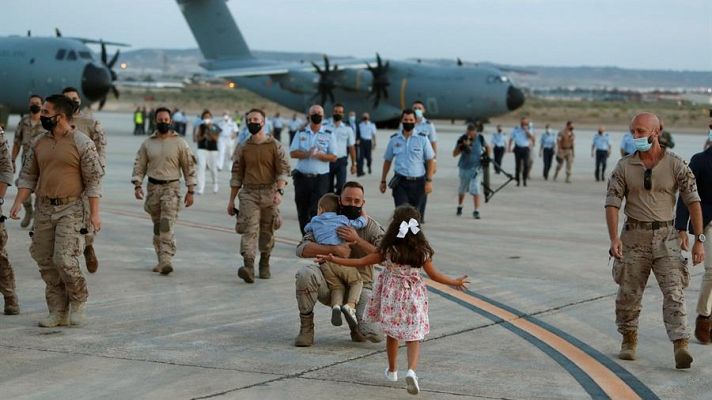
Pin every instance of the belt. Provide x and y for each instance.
(634, 223)
(566, 148)
(298, 172)
(411, 178)
(59, 201)
(161, 182)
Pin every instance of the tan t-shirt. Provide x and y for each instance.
(164, 159)
(259, 164)
(566, 140)
(668, 177)
(61, 167)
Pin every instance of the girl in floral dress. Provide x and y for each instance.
(400, 299)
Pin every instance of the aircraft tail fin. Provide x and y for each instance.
(214, 29)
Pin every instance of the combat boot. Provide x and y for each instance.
(683, 359)
(27, 218)
(306, 331)
(703, 325)
(630, 342)
(264, 266)
(54, 320)
(11, 306)
(77, 313)
(568, 178)
(247, 272)
(90, 258)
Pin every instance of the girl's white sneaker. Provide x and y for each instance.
(391, 376)
(411, 382)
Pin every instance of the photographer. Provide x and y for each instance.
(470, 147)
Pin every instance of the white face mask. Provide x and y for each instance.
(225, 117)
(207, 121)
(419, 113)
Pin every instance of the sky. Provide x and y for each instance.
(652, 34)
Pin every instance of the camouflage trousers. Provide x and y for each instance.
(566, 156)
(311, 287)
(56, 246)
(7, 276)
(163, 203)
(257, 221)
(657, 250)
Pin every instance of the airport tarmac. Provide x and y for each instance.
(537, 322)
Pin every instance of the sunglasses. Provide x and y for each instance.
(648, 179)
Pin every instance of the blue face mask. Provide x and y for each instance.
(419, 113)
(641, 144)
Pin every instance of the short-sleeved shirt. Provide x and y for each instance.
(471, 159)
(429, 128)
(372, 233)
(345, 138)
(668, 177)
(324, 226)
(628, 143)
(306, 140)
(548, 140)
(367, 129)
(519, 136)
(295, 124)
(410, 153)
(602, 141)
(210, 134)
(498, 139)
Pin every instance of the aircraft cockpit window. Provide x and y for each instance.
(72, 55)
(497, 79)
(60, 54)
(85, 55)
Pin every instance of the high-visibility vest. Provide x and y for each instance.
(138, 117)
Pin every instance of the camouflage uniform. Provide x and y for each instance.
(650, 240)
(256, 169)
(24, 135)
(94, 130)
(312, 287)
(59, 215)
(565, 154)
(7, 277)
(163, 160)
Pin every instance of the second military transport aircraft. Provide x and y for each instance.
(382, 88)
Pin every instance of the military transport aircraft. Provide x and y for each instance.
(46, 65)
(383, 88)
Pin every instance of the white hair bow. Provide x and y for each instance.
(411, 225)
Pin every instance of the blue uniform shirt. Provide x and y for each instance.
(519, 137)
(410, 153)
(367, 129)
(498, 139)
(324, 226)
(628, 143)
(345, 138)
(602, 142)
(548, 140)
(428, 128)
(307, 141)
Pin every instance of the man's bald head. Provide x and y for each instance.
(645, 124)
(316, 109)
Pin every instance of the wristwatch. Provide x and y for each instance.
(701, 238)
(280, 191)
(2, 201)
(428, 179)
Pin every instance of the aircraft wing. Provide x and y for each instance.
(279, 69)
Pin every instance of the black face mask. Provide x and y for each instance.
(254, 128)
(408, 126)
(48, 123)
(77, 105)
(34, 109)
(351, 212)
(163, 127)
(337, 117)
(315, 118)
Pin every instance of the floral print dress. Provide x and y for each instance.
(400, 303)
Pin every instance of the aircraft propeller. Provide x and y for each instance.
(110, 66)
(380, 83)
(327, 81)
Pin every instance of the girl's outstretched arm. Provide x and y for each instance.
(373, 258)
(460, 283)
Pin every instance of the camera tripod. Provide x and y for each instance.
(485, 166)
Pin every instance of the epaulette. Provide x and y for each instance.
(327, 130)
(427, 121)
(394, 135)
(423, 134)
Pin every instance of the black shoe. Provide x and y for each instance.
(476, 214)
(525, 183)
(459, 211)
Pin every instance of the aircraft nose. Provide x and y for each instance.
(96, 82)
(515, 98)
